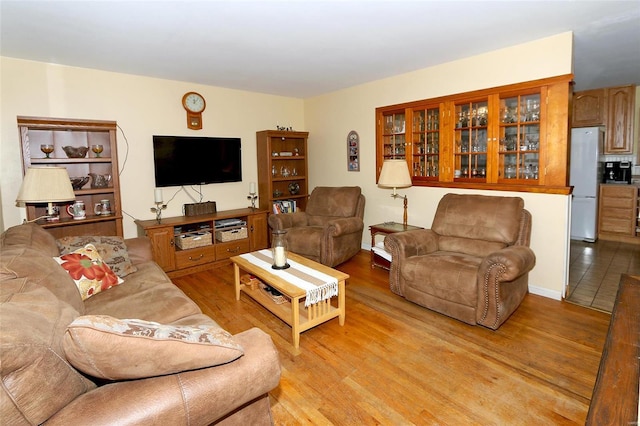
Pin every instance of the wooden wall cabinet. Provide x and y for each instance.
(60, 132)
(508, 138)
(282, 169)
(178, 258)
(589, 108)
(620, 115)
(618, 212)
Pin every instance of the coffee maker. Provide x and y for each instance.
(617, 172)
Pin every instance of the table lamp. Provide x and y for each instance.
(395, 174)
(46, 185)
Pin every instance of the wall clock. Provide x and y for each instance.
(194, 104)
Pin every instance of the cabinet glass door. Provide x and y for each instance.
(426, 144)
(519, 138)
(470, 136)
(394, 138)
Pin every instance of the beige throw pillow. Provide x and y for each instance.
(116, 349)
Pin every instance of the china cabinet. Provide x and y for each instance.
(87, 149)
(507, 138)
(589, 108)
(185, 244)
(282, 170)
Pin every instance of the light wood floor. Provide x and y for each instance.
(396, 363)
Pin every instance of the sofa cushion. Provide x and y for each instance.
(495, 219)
(111, 348)
(32, 236)
(37, 380)
(112, 249)
(451, 276)
(42, 269)
(147, 294)
(332, 201)
(88, 271)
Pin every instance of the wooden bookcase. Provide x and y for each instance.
(60, 132)
(282, 168)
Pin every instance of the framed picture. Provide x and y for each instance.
(353, 151)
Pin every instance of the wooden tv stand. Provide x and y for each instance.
(183, 245)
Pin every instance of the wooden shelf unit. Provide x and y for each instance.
(59, 132)
(176, 261)
(276, 172)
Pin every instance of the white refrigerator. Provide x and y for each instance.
(585, 174)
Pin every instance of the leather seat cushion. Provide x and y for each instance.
(444, 275)
(306, 241)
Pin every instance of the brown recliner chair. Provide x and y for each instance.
(472, 264)
(330, 230)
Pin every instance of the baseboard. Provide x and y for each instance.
(545, 292)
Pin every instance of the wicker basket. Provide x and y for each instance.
(231, 234)
(193, 240)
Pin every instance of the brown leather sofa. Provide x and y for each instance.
(474, 262)
(330, 230)
(39, 303)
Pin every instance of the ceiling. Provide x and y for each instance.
(301, 49)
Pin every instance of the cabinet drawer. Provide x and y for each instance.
(625, 214)
(619, 226)
(196, 256)
(232, 248)
(617, 203)
(614, 191)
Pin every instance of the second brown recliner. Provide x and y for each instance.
(330, 230)
(472, 265)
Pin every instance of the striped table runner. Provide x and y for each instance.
(319, 286)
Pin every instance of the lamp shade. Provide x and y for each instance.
(394, 174)
(45, 185)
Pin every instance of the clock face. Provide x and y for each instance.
(193, 102)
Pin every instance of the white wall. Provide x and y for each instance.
(145, 106)
(330, 117)
(142, 107)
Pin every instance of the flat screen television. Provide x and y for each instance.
(189, 160)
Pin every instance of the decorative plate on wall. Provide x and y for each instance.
(353, 151)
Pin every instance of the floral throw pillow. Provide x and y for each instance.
(116, 349)
(89, 272)
(112, 249)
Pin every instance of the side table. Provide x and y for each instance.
(385, 228)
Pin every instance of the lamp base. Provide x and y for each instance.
(286, 265)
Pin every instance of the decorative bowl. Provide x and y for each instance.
(78, 182)
(75, 151)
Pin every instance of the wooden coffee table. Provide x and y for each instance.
(295, 314)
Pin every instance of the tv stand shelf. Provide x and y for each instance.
(206, 248)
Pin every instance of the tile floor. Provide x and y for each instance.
(595, 269)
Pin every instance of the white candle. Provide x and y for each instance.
(252, 188)
(158, 195)
(279, 256)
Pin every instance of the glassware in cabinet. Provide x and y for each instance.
(471, 140)
(394, 138)
(519, 142)
(426, 143)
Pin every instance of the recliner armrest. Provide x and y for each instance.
(287, 220)
(411, 243)
(515, 260)
(343, 226)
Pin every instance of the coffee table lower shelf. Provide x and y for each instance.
(293, 313)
